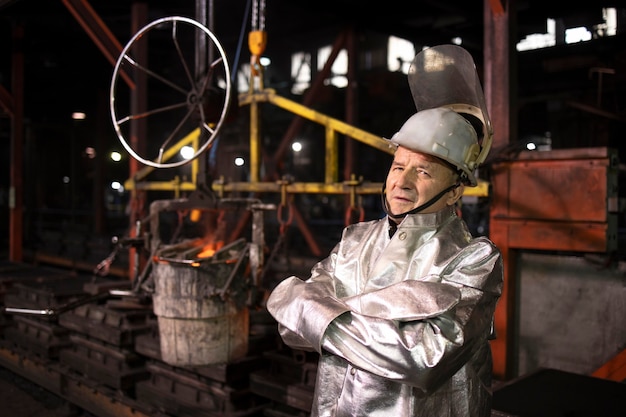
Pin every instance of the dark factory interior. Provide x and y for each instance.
(102, 213)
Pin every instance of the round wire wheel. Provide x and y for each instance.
(187, 97)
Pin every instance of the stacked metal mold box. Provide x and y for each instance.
(102, 353)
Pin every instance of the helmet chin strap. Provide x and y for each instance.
(416, 209)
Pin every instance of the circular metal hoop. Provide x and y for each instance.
(181, 105)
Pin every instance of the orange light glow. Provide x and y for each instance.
(206, 253)
(209, 249)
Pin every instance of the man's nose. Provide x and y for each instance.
(406, 178)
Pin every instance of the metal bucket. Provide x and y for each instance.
(201, 307)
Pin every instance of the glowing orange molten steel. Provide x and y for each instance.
(209, 249)
(206, 253)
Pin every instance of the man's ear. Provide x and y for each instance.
(455, 194)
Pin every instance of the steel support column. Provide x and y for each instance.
(499, 81)
(138, 132)
(16, 190)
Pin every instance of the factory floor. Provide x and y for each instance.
(545, 392)
(20, 397)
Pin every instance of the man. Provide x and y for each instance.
(401, 311)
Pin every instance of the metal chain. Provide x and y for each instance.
(255, 15)
(258, 15)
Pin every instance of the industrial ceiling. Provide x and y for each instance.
(64, 70)
(59, 53)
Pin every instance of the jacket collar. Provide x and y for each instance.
(429, 219)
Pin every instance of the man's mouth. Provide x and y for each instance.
(402, 199)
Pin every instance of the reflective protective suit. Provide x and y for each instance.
(402, 324)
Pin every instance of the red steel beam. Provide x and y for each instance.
(498, 81)
(16, 205)
(98, 32)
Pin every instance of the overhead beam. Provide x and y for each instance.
(98, 32)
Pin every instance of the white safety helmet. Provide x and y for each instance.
(443, 133)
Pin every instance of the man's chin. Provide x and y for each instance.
(400, 209)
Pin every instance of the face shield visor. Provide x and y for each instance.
(445, 76)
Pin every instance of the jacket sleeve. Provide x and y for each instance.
(415, 332)
(304, 309)
(411, 345)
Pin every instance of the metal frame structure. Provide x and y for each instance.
(331, 185)
(110, 47)
(499, 82)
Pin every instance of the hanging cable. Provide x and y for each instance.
(233, 75)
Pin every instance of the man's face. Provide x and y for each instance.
(414, 178)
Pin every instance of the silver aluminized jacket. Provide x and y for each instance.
(402, 325)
